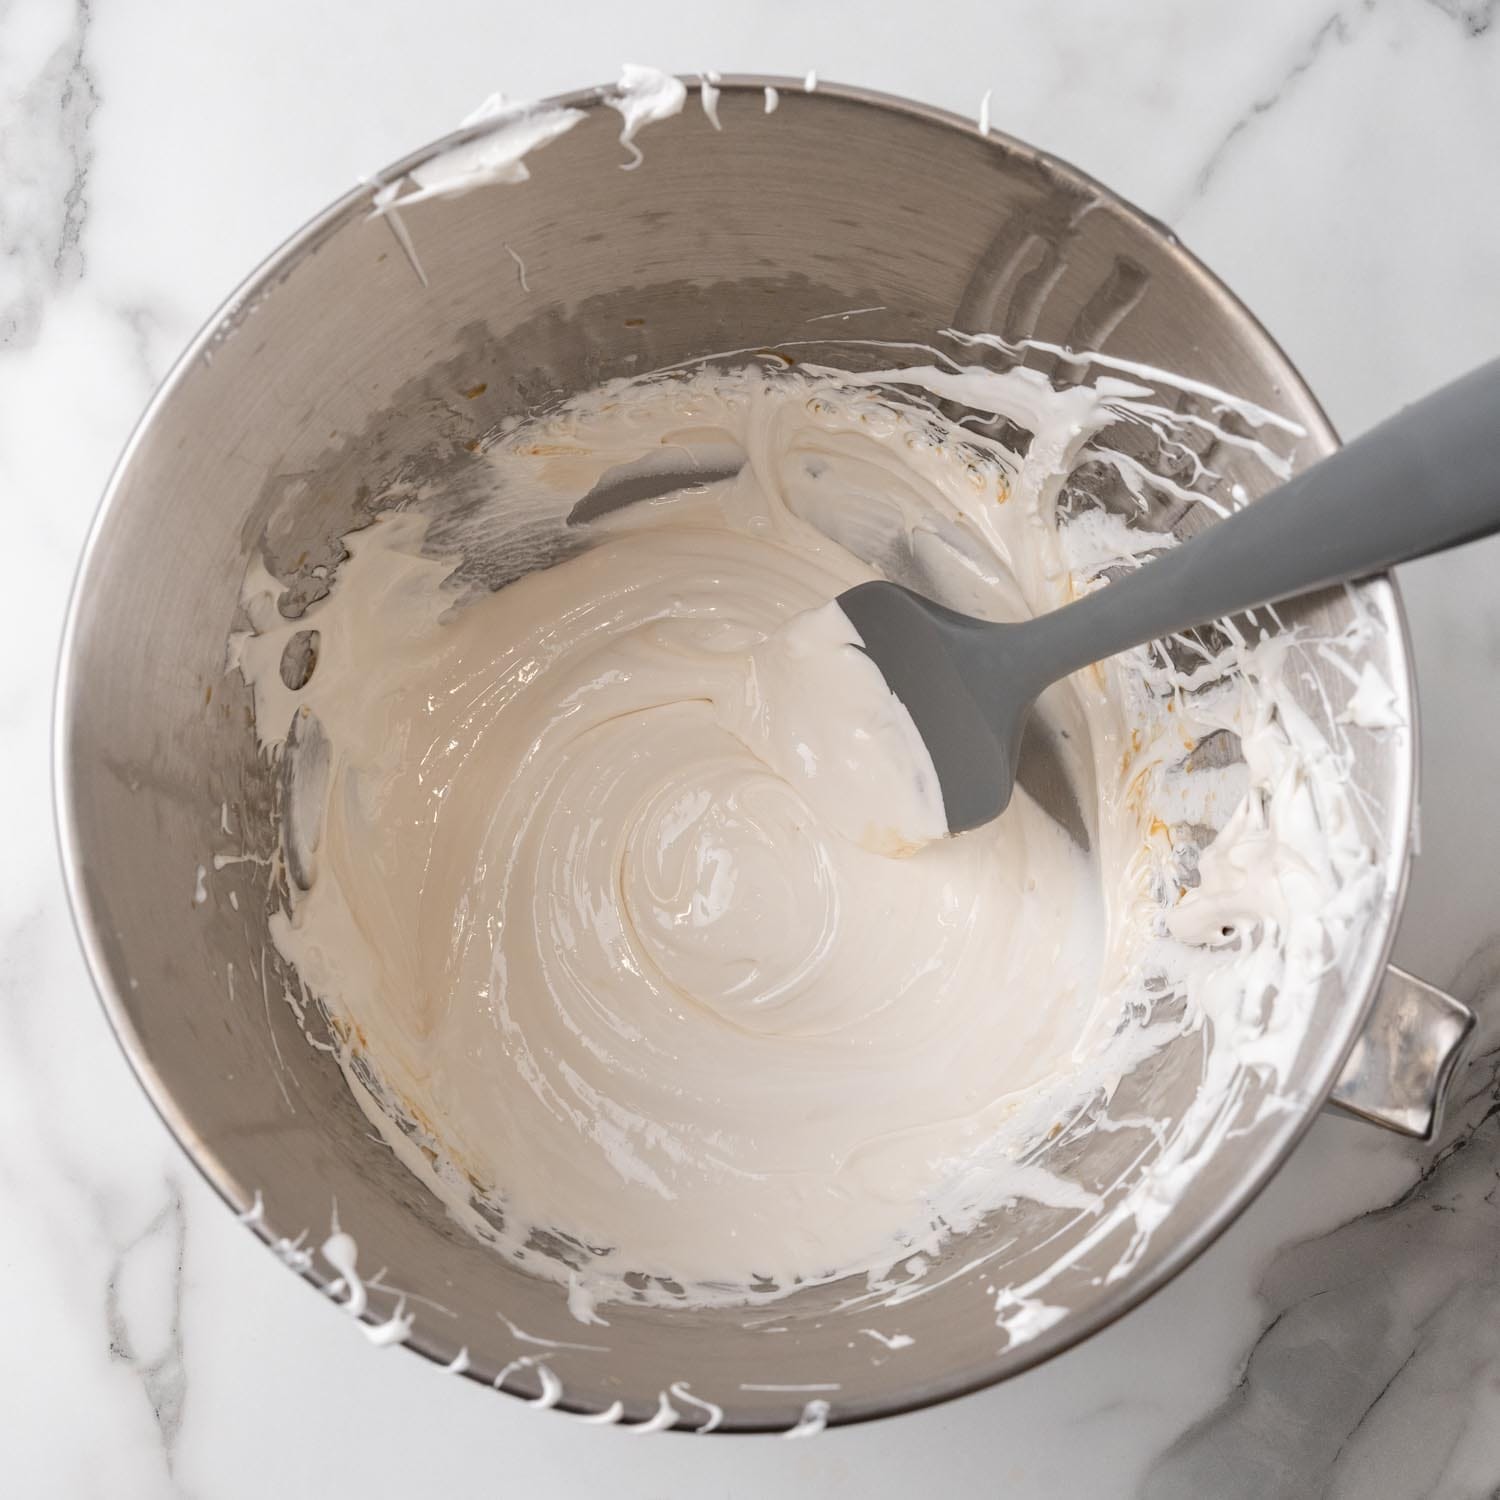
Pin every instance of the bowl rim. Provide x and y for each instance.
(1380, 590)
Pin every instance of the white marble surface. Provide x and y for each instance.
(1336, 165)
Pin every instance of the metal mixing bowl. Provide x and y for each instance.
(333, 383)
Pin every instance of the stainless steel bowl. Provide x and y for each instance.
(335, 380)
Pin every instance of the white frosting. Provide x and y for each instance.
(341, 1252)
(642, 97)
(816, 710)
(713, 1412)
(551, 1391)
(606, 1418)
(1373, 704)
(889, 1340)
(663, 1418)
(604, 880)
(814, 1420)
(498, 155)
(708, 95)
(396, 1329)
(520, 269)
(512, 130)
(515, 129)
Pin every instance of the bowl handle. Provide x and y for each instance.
(1402, 1063)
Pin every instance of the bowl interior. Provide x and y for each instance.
(336, 383)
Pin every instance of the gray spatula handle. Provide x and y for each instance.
(1426, 479)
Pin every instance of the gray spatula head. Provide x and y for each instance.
(936, 661)
(1421, 481)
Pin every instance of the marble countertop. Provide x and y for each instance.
(1334, 164)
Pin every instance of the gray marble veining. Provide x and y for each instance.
(46, 151)
(1377, 1366)
(1333, 32)
(143, 1315)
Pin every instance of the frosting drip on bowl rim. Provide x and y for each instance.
(622, 883)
